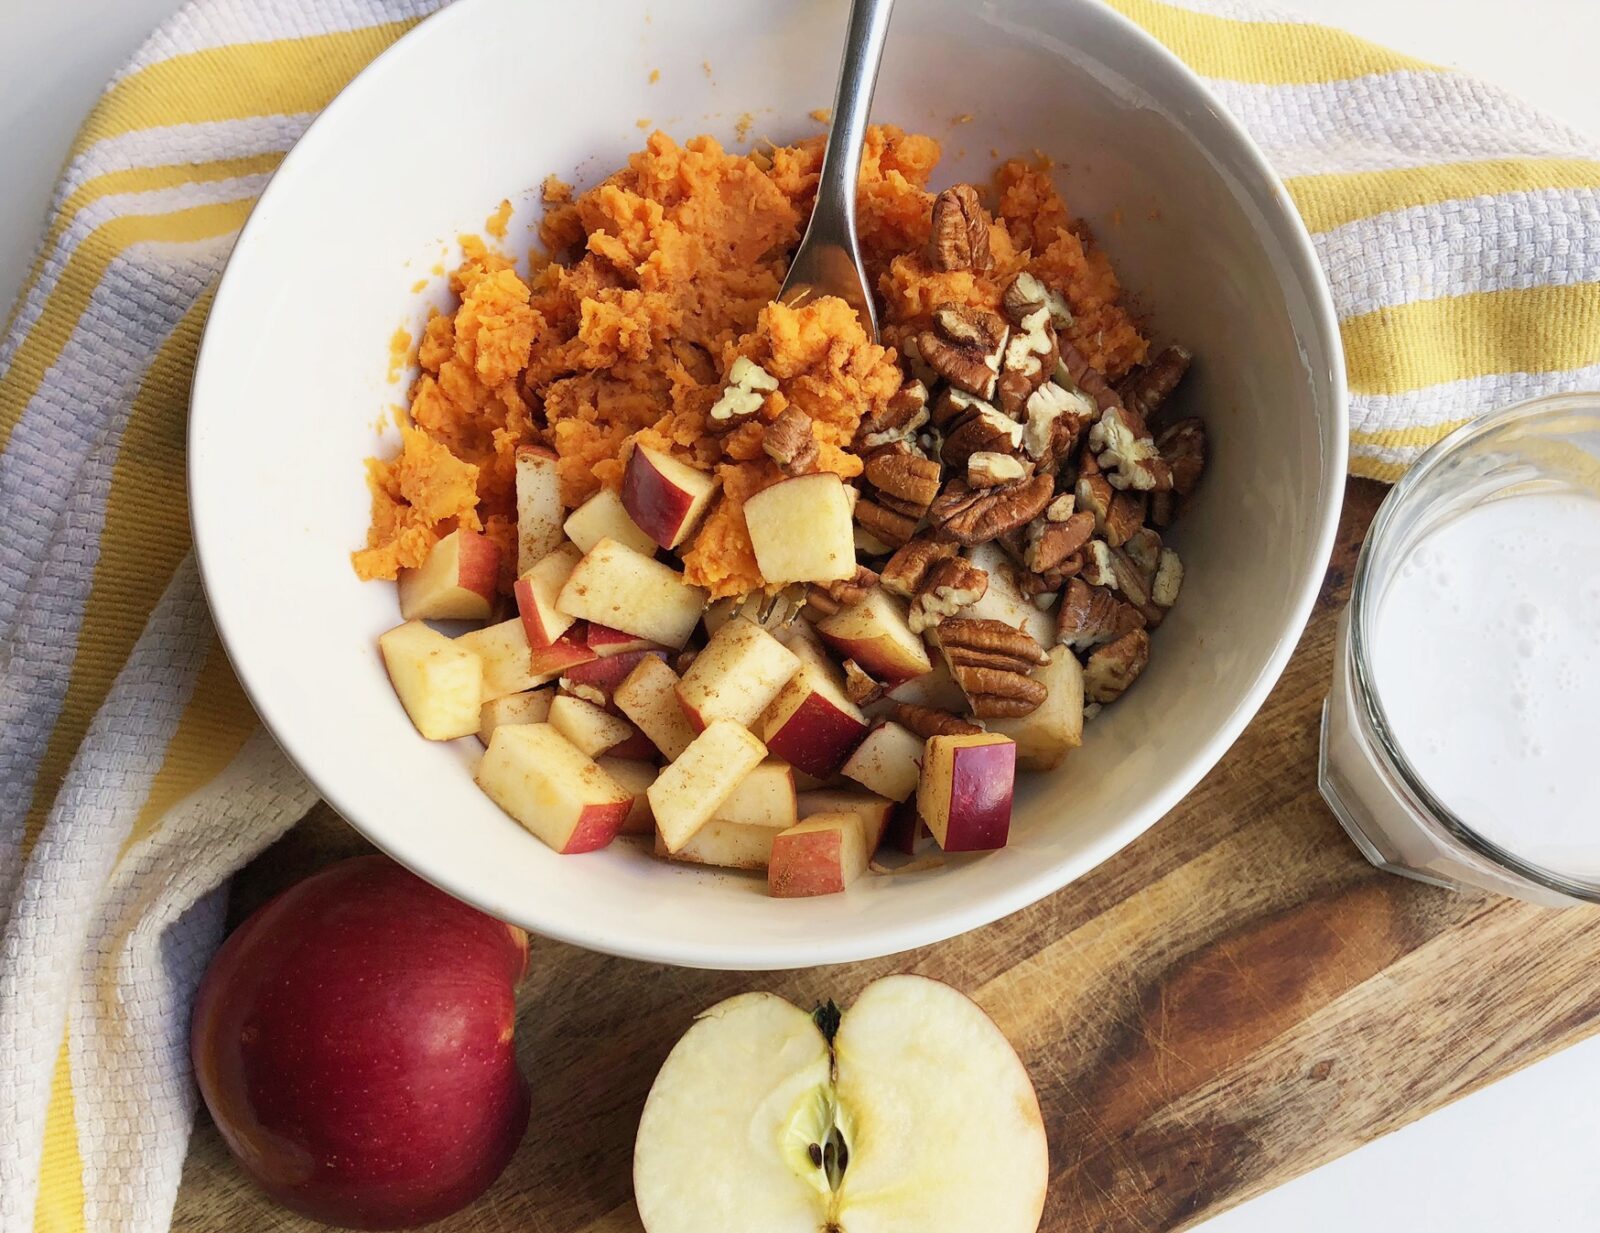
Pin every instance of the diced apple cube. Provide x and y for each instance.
(598, 679)
(636, 777)
(508, 666)
(876, 634)
(537, 776)
(801, 530)
(601, 517)
(737, 675)
(820, 856)
(964, 794)
(649, 697)
(606, 642)
(538, 505)
(536, 591)
(437, 679)
(622, 588)
(728, 845)
(590, 728)
(688, 793)
(1003, 600)
(528, 708)
(457, 581)
(765, 797)
(937, 689)
(811, 724)
(888, 761)
(665, 498)
(875, 811)
(1048, 733)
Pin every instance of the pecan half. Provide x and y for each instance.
(884, 524)
(1053, 419)
(898, 420)
(1183, 446)
(1128, 456)
(1049, 544)
(976, 516)
(949, 586)
(1135, 586)
(789, 441)
(1074, 371)
(1029, 361)
(858, 686)
(1124, 516)
(904, 572)
(960, 236)
(980, 643)
(982, 430)
(964, 346)
(1145, 389)
(928, 721)
(1087, 616)
(1143, 548)
(1026, 294)
(1115, 666)
(906, 483)
(989, 469)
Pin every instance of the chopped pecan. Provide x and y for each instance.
(1053, 418)
(1128, 457)
(1097, 564)
(884, 524)
(1135, 586)
(1115, 666)
(1145, 389)
(1183, 446)
(903, 573)
(964, 346)
(1094, 494)
(1074, 371)
(1042, 588)
(980, 643)
(990, 469)
(960, 235)
(976, 516)
(684, 660)
(898, 420)
(1143, 548)
(745, 393)
(1029, 361)
(1087, 616)
(845, 591)
(1049, 543)
(928, 721)
(789, 441)
(982, 430)
(948, 586)
(906, 483)
(1169, 577)
(1124, 516)
(858, 686)
(1026, 294)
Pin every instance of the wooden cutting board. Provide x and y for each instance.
(1232, 1000)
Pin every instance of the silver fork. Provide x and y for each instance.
(828, 261)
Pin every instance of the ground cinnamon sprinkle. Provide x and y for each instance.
(664, 275)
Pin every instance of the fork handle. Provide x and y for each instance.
(852, 103)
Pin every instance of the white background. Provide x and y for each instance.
(1517, 1157)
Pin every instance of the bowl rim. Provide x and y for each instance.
(1262, 188)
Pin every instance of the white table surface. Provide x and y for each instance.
(1518, 1156)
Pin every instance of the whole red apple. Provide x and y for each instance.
(353, 1041)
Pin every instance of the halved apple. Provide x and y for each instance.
(665, 498)
(538, 777)
(916, 1107)
(591, 729)
(603, 516)
(801, 530)
(605, 641)
(1048, 733)
(888, 762)
(964, 794)
(538, 505)
(812, 724)
(649, 697)
(874, 810)
(688, 793)
(627, 590)
(740, 671)
(1003, 599)
(457, 581)
(819, 856)
(437, 679)
(636, 777)
(876, 635)
(536, 591)
(529, 708)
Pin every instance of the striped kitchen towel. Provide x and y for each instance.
(1459, 229)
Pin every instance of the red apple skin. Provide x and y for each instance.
(566, 652)
(637, 748)
(906, 828)
(597, 825)
(816, 738)
(353, 1042)
(656, 504)
(980, 798)
(606, 672)
(605, 641)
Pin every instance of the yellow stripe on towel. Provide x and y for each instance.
(59, 1206)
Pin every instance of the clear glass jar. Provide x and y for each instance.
(1543, 446)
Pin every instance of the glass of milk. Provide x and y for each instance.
(1461, 739)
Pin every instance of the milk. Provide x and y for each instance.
(1485, 657)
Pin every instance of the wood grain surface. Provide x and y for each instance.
(1235, 998)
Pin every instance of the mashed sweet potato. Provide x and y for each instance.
(657, 280)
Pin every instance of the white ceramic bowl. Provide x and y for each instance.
(485, 99)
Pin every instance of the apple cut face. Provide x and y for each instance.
(919, 1104)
